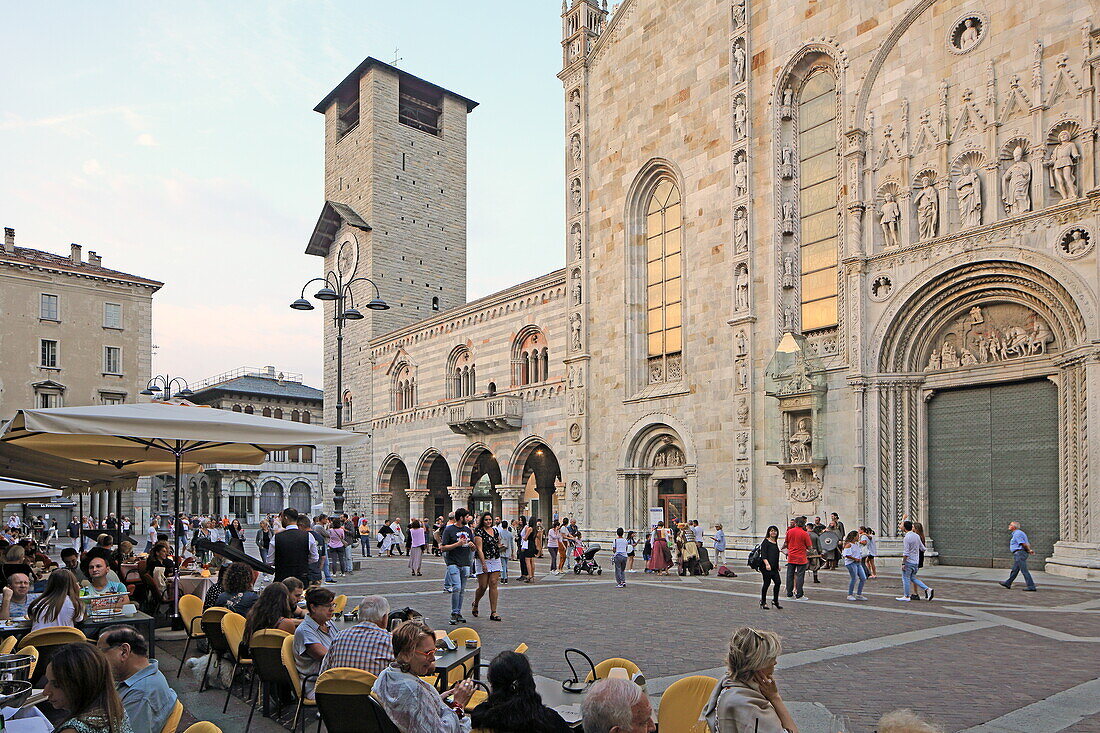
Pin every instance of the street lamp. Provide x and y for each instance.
(163, 386)
(337, 290)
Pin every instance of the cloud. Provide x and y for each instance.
(68, 121)
(146, 139)
(91, 167)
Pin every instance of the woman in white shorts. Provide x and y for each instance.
(486, 563)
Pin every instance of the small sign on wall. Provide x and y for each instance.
(656, 514)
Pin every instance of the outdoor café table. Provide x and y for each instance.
(195, 584)
(567, 704)
(92, 626)
(446, 660)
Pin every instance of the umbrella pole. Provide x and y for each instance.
(80, 530)
(177, 533)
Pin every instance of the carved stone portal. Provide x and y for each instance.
(988, 334)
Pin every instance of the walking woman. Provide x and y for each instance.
(853, 556)
(486, 563)
(527, 551)
(264, 538)
(870, 549)
(660, 559)
(521, 546)
(416, 546)
(235, 536)
(553, 541)
(631, 547)
(769, 555)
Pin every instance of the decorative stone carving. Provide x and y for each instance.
(788, 319)
(576, 341)
(740, 117)
(575, 287)
(968, 189)
(798, 379)
(786, 104)
(742, 446)
(741, 287)
(738, 55)
(800, 441)
(575, 401)
(576, 375)
(575, 108)
(788, 271)
(804, 486)
(575, 195)
(966, 34)
(670, 457)
(987, 334)
(927, 203)
(742, 481)
(741, 174)
(1075, 242)
(575, 235)
(742, 376)
(656, 371)
(786, 163)
(575, 151)
(742, 411)
(788, 216)
(881, 287)
(575, 432)
(1062, 166)
(738, 13)
(574, 489)
(741, 344)
(1016, 183)
(740, 231)
(890, 219)
(674, 367)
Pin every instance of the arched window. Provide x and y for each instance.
(236, 408)
(267, 412)
(305, 417)
(817, 211)
(248, 410)
(435, 303)
(347, 414)
(663, 256)
(530, 357)
(295, 416)
(462, 377)
(278, 414)
(404, 390)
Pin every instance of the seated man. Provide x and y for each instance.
(367, 645)
(144, 691)
(17, 597)
(617, 706)
(70, 560)
(98, 584)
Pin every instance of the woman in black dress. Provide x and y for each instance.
(235, 537)
(487, 563)
(514, 706)
(769, 555)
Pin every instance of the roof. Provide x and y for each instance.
(260, 386)
(353, 78)
(333, 215)
(39, 258)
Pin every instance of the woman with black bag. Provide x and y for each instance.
(768, 565)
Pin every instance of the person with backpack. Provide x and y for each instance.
(767, 563)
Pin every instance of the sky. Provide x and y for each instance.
(178, 140)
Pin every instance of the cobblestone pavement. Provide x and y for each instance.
(978, 655)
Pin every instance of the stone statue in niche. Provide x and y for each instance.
(786, 163)
(740, 232)
(575, 195)
(788, 271)
(1016, 183)
(881, 287)
(891, 219)
(741, 174)
(1076, 242)
(786, 104)
(738, 63)
(575, 108)
(576, 241)
(927, 202)
(742, 411)
(969, 35)
(575, 287)
(788, 319)
(741, 344)
(742, 377)
(800, 442)
(968, 188)
(1063, 166)
(740, 118)
(788, 217)
(575, 151)
(575, 340)
(741, 287)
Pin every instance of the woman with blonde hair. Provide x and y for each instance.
(747, 700)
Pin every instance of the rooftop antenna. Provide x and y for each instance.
(396, 58)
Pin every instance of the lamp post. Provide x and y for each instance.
(166, 388)
(337, 288)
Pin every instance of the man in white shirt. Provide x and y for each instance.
(619, 550)
(506, 540)
(912, 547)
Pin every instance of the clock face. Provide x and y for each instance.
(347, 256)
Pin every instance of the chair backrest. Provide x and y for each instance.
(682, 703)
(158, 578)
(604, 668)
(212, 627)
(287, 656)
(203, 726)
(521, 649)
(52, 636)
(344, 701)
(173, 723)
(233, 628)
(33, 652)
(8, 644)
(266, 650)
(463, 634)
(190, 609)
(340, 603)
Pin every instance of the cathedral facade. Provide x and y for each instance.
(819, 257)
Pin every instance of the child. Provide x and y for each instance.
(647, 550)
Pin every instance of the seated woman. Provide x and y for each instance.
(238, 596)
(15, 561)
(124, 553)
(98, 584)
(79, 681)
(313, 637)
(297, 592)
(747, 698)
(59, 604)
(159, 557)
(514, 706)
(34, 554)
(270, 611)
(412, 704)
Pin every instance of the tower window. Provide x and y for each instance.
(347, 113)
(435, 303)
(420, 106)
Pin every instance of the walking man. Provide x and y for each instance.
(506, 540)
(912, 547)
(1020, 549)
(797, 544)
(458, 553)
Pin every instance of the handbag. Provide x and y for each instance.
(756, 560)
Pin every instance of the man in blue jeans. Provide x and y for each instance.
(1020, 549)
(458, 552)
(912, 547)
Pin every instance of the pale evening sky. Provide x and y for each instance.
(178, 140)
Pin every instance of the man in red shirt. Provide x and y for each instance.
(797, 544)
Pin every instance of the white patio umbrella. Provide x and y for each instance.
(153, 438)
(13, 492)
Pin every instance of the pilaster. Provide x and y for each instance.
(510, 497)
(417, 497)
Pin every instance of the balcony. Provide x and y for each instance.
(496, 414)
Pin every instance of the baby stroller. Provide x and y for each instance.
(584, 559)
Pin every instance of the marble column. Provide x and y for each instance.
(417, 497)
(460, 497)
(510, 497)
(380, 502)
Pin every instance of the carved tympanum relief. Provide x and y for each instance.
(988, 334)
(669, 457)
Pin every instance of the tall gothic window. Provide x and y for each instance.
(462, 374)
(530, 358)
(664, 330)
(404, 389)
(817, 209)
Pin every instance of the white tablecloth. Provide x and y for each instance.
(26, 720)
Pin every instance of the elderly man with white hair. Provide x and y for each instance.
(617, 706)
(367, 645)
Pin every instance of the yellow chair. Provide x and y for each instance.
(46, 641)
(190, 608)
(203, 726)
(173, 722)
(266, 650)
(340, 603)
(211, 624)
(8, 644)
(604, 668)
(343, 699)
(233, 628)
(295, 682)
(682, 703)
(460, 636)
(521, 649)
(33, 652)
